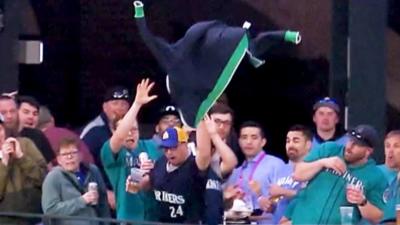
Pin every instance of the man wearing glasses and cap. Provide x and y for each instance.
(99, 130)
(326, 119)
(339, 176)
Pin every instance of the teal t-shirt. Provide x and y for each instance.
(320, 201)
(128, 206)
(391, 195)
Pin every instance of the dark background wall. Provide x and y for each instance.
(91, 45)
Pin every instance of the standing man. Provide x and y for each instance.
(66, 191)
(28, 117)
(392, 167)
(95, 133)
(119, 154)
(178, 179)
(259, 169)
(223, 161)
(298, 144)
(28, 108)
(326, 119)
(340, 176)
(22, 171)
(167, 117)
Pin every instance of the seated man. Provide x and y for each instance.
(66, 191)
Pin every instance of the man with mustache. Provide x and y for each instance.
(298, 144)
(339, 176)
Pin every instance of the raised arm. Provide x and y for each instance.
(203, 154)
(228, 158)
(142, 97)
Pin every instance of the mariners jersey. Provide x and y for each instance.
(214, 205)
(179, 193)
(320, 201)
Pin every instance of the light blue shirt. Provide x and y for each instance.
(285, 180)
(265, 173)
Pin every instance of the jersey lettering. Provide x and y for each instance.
(287, 181)
(213, 184)
(175, 212)
(164, 196)
(349, 178)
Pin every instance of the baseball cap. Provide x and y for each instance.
(327, 102)
(173, 136)
(116, 93)
(168, 110)
(364, 135)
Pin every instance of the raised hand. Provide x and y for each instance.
(142, 92)
(210, 125)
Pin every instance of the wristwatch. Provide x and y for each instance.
(364, 202)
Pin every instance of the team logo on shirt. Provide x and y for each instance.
(385, 196)
(164, 196)
(165, 136)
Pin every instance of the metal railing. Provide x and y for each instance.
(54, 219)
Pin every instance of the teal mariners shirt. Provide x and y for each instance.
(392, 197)
(320, 201)
(117, 166)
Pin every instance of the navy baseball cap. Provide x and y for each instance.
(364, 135)
(168, 110)
(173, 136)
(327, 102)
(116, 93)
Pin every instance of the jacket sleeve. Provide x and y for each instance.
(3, 180)
(51, 198)
(32, 163)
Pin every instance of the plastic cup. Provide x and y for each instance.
(346, 215)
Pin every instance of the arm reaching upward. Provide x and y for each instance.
(142, 97)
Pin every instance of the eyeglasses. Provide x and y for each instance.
(362, 141)
(69, 154)
(124, 93)
(220, 122)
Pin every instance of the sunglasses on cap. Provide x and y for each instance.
(360, 139)
(124, 93)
